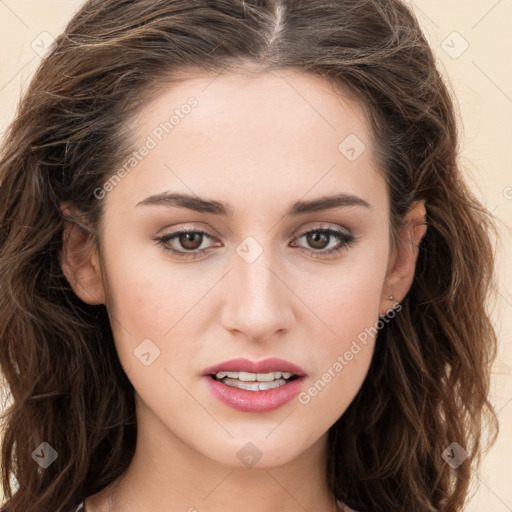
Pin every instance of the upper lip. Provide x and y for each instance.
(272, 364)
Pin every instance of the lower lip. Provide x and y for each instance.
(255, 401)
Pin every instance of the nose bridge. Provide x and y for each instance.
(258, 303)
(253, 269)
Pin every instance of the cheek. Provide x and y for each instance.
(342, 348)
(346, 299)
(340, 356)
(141, 305)
(150, 298)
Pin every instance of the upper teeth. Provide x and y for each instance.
(261, 377)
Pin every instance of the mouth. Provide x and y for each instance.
(251, 386)
(254, 381)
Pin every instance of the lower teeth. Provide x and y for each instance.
(253, 386)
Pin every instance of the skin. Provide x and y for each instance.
(259, 144)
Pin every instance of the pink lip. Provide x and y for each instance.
(272, 364)
(255, 401)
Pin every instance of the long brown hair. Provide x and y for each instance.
(428, 383)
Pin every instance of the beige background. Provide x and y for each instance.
(473, 43)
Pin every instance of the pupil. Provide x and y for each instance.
(316, 242)
(189, 243)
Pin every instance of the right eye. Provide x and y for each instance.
(189, 239)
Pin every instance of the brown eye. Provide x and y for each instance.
(186, 243)
(191, 240)
(317, 239)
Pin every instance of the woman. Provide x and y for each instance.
(240, 265)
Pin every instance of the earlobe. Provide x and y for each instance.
(402, 265)
(80, 263)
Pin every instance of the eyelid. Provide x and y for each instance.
(344, 236)
(296, 234)
(319, 226)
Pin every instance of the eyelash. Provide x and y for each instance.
(346, 239)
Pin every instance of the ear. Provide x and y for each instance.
(402, 264)
(80, 260)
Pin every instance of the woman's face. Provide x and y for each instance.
(267, 153)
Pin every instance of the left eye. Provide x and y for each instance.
(191, 240)
(317, 237)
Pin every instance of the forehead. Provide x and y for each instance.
(278, 132)
(286, 103)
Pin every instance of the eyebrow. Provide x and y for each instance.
(202, 205)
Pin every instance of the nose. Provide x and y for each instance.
(259, 302)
